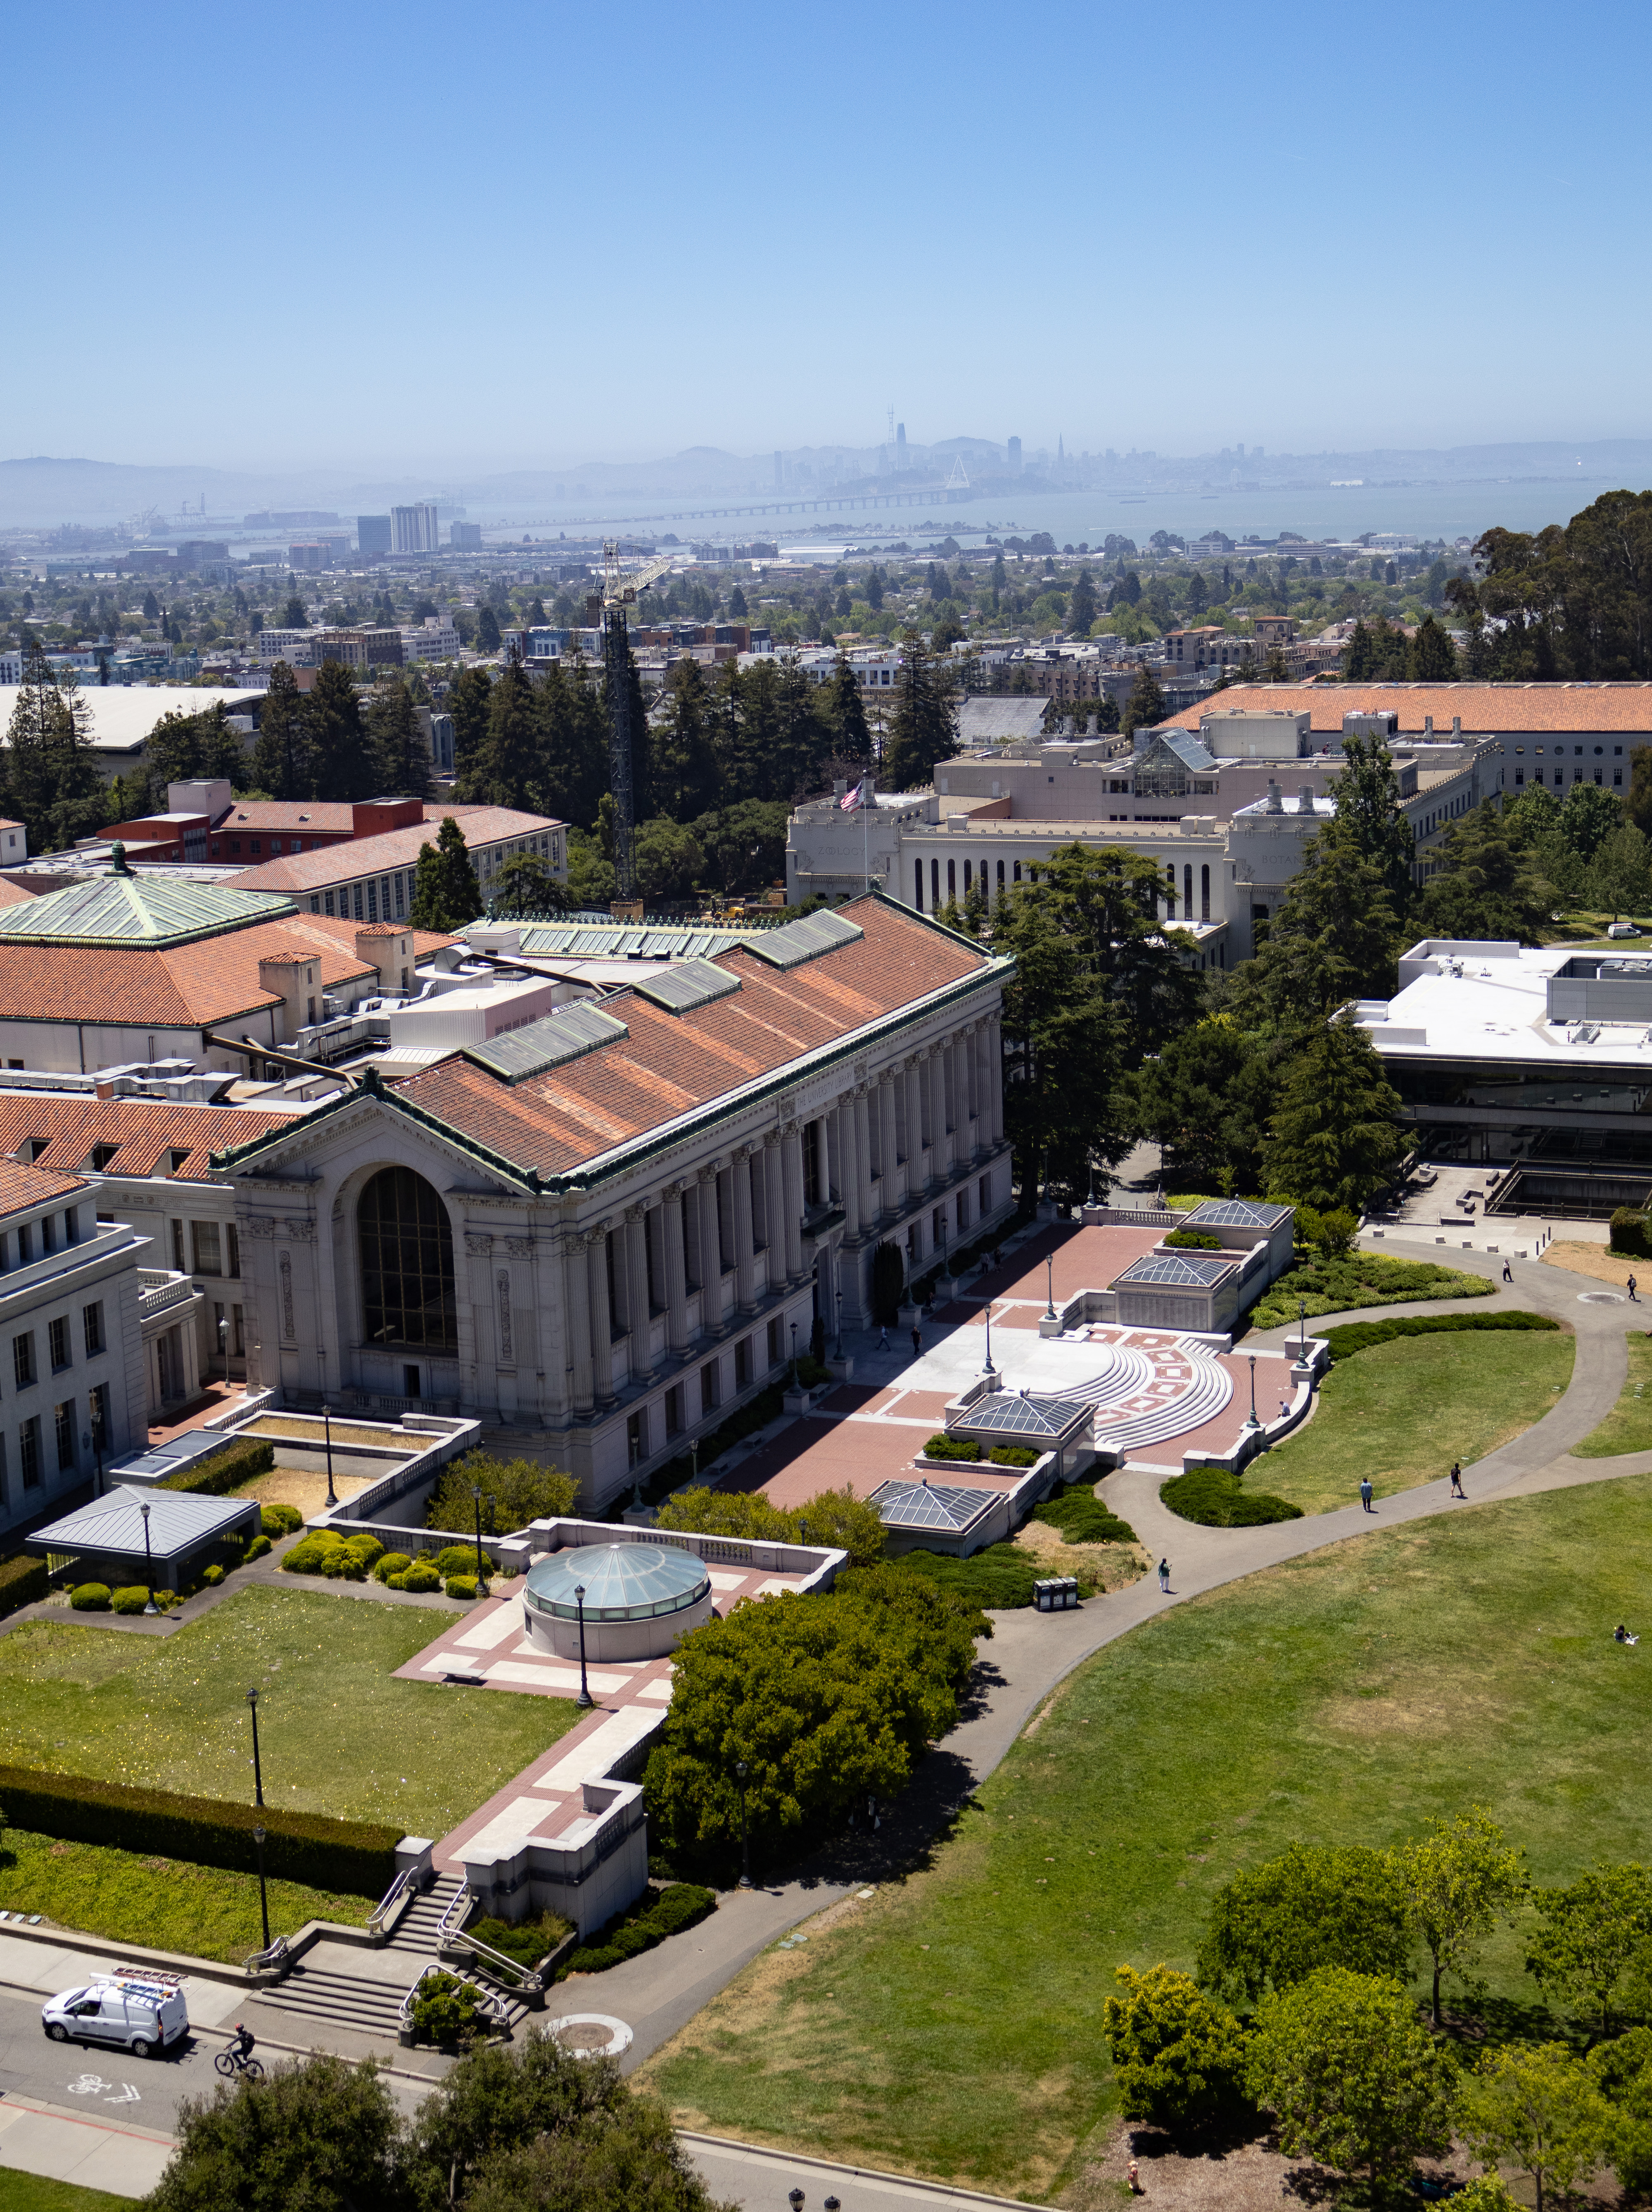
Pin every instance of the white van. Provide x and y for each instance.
(142, 2013)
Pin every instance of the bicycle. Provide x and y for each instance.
(232, 2063)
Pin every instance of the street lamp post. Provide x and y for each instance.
(745, 1844)
(1252, 1423)
(1302, 1328)
(584, 1698)
(258, 1770)
(839, 1325)
(794, 1355)
(989, 1370)
(148, 1559)
(264, 1894)
(481, 1570)
(1049, 1264)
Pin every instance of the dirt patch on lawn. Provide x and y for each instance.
(1109, 1566)
(297, 1485)
(1579, 1259)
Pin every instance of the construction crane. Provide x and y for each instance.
(621, 588)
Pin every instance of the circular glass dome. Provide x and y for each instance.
(620, 1582)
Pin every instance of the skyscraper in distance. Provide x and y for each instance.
(1015, 456)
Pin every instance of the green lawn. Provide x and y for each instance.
(27, 2192)
(953, 2025)
(1401, 1413)
(336, 1733)
(1360, 1279)
(1628, 1427)
(167, 1903)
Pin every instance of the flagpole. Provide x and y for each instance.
(866, 839)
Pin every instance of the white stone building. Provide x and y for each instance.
(604, 1230)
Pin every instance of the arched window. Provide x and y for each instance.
(407, 1263)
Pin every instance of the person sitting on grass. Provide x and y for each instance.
(1621, 1635)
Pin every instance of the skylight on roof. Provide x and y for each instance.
(804, 939)
(569, 1034)
(687, 984)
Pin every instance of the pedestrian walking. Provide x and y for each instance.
(917, 1344)
(1633, 1300)
(1164, 1576)
(882, 1337)
(1366, 1494)
(1457, 1490)
(1508, 1272)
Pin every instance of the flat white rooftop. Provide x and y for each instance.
(1462, 999)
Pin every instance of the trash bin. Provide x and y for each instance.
(1059, 1594)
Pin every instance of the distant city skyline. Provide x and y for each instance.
(1340, 234)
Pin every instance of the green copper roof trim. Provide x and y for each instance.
(121, 912)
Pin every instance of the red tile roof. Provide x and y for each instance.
(1485, 709)
(145, 1133)
(186, 987)
(671, 1064)
(21, 1186)
(395, 849)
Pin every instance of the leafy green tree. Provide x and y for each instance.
(293, 615)
(342, 763)
(53, 782)
(487, 628)
(401, 752)
(590, 872)
(1588, 1934)
(836, 1517)
(1588, 817)
(1638, 805)
(635, 2163)
(183, 747)
(1206, 1096)
(1351, 2078)
(1335, 1133)
(1178, 2057)
(1485, 2193)
(504, 769)
(827, 1700)
(669, 860)
(923, 725)
(446, 895)
(875, 589)
(1336, 937)
(514, 1492)
(325, 2134)
(743, 846)
(1145, 710)
(1536, 2107)
(527, 884)
(1366, 794)
(281, 754)
(1486, 886)
(1458, 1880)
(1622, 2071)
(1316, 1905)
(1620, 881)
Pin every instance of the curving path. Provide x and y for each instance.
(1031, 1652)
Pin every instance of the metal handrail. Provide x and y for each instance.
(398, 1889)
(453, 1919)
(525, 1975)
(277, 1951)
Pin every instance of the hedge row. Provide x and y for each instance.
(1360, 1335)
(1213, 1499)
(355, 1855)
(671, 1909)
(224, 1472)
(1083, 1518)
(22, 1581)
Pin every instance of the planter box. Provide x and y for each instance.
(841, 1371)
(909, 1317)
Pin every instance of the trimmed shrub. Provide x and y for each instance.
(358, 1856)
(1013, 1456)
(224, 1470)
(1629, 1233)
(658, 1914)
(522, 1490)
(90, 1597)
(366, 1548)
(455, 1560)
(1213, 1499)
(527, 1942)
(212, 1575)
(941, 1446)
(1083, 1519)
(393, 1563)
(23, 1580)
(810, 1373)
(1360, 1335)
(459, 1586)
(134, 1598)
(256, 1548)
(830, 1516)
(1192, 1239)
(999, 1580)
(281, 1520)
(448, 2010)
(420, 1577)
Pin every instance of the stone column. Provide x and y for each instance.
(848, 1174)
(791, 1200)
(601, 1346)
(745, 1249)
(676, 1270)
(941, 1151)
(886, 1130)
(913, 1079)
(775, 1255)
(710, 1256)
(637, 1294)
(995, 1076)
(867, 1194)
(576, 1300)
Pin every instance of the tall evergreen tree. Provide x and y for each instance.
(487, 628)
(446, 894)
(1145, 710)
(846, 715)
(1081, 607)
(281, 755)
(572, 743)
(295, 617)
(1335, 1134)
(504, 770)
(467, 703)
(342, 764)
(53, 784)
(1368, 816)
(400, 749)
(183, 747)
(1433, 654)
(1488, 884)
(875, 590)
(684, 770)
(923, 726)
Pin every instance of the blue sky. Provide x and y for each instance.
(425, 237)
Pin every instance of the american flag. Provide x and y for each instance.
(852, 799)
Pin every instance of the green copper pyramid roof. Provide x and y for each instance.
(149, 913)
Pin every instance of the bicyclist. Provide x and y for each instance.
(241, 2043)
